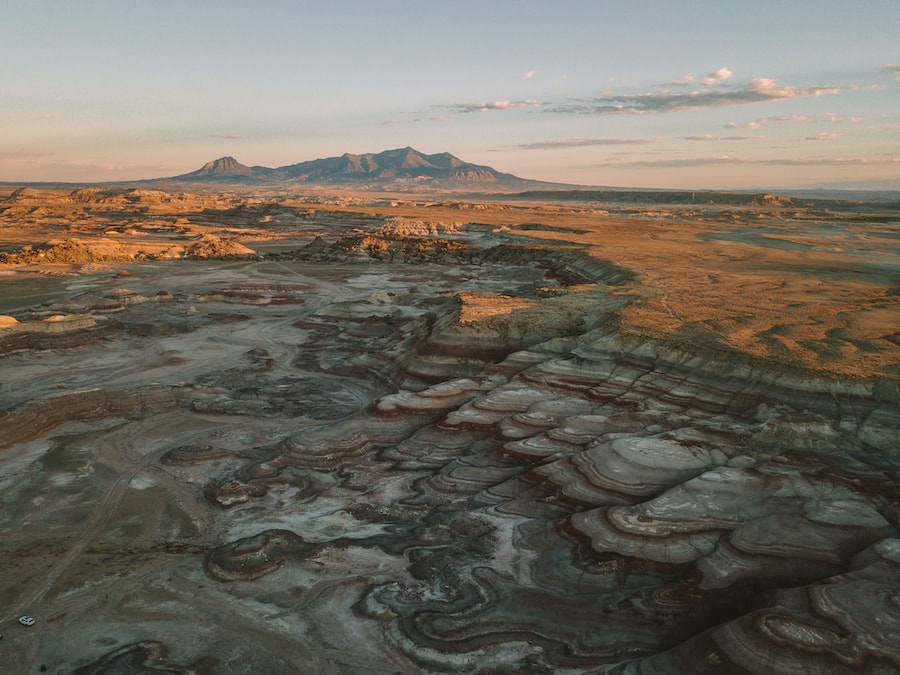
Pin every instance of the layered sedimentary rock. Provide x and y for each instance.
(187, 455)
(846, 623)
(55, 332)
(35, 418)
(93, 251)
(682, 491)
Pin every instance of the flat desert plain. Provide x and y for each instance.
(354, 433)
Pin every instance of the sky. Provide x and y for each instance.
(657, 94)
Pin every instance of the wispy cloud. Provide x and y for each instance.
(711, 91)
(229, 137)
(895, 69)
(759, 90)
(823, 136)
(834, 118)
(713, 78)
(710, 137)
(757, 123)
(685, 81)
(23, 155)
(731, 160)
(487, 107)
(582, 142)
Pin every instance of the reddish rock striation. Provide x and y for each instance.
(675, 493)
(189, 455)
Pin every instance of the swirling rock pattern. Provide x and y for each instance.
(253, 557)
(187, 455)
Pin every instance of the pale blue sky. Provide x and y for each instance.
(645, 94)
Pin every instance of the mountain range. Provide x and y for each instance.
(400, 169)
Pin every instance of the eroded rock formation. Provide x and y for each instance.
(417, 444)
(255, 556)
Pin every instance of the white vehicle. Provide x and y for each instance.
(26, 620)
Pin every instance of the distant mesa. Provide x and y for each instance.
(402, 168)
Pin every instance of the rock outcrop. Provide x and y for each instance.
(74, 251)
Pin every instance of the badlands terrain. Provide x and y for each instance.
(277, 432)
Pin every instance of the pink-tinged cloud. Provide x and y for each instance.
(759, 90)
(529, 74)
(718, 76)
(713, 78)
(685, 81)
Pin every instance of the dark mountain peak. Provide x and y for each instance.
(446, 160)
(411, 159)
(224, 167)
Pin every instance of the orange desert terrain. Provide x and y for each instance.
(264, 431)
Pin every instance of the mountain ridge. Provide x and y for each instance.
(400, 168)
